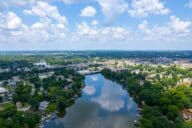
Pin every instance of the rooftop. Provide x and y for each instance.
(3, 90)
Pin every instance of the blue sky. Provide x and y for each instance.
(96, 25)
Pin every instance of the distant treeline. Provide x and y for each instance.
(110, 54)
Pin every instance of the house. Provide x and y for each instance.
(66, 88)
(150, 76)
(136, 71)
(43, 105)
(19, 105)
(83, 72)
(15, 78)
(185, 81)
(45, 75)
(141, 82)
(42, 64)
(1, 83)
(4, 70)
(27, 69)
(3, 91)
(12, 83)
(78, 67)
(187, 114)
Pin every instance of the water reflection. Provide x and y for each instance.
(104, 104)
(94, 78)
(111, 98)
(89, 90)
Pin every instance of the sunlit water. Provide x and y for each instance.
(103, 104)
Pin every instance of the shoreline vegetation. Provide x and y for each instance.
(160, 108)
(53, 94)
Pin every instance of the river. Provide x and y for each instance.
(103, 104)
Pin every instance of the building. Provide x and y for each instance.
(1, 83)
(3, 91)
(187, 114)
(42, 64)
(186, 81)
(136, 71)
(43, 105)
(78, 67)
(4, 70)
(12, 83)
(45, 75)
(19, 105)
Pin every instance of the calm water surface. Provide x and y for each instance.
(103, 104)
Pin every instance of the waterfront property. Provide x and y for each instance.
(43, 105)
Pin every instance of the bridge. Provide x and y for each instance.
(88, 72)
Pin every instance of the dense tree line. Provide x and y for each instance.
(14, 64)
(11, 118)
(161, 107)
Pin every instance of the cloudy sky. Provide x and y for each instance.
(95, 24)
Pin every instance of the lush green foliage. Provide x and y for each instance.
(161, 106)
(11, 118)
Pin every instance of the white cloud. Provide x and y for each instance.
(50, 26)
(27, 12)
(112, 8)
(89, 90)
(37, 25)
(51, 22)
(175, 29)
(45, 10)
(179, 26)
(86, 31)
(13, 21)
(189, 4)
(143, 8)
(94, 78)
(118, 33)
(88, 11)
(10, 21)
(155, 32)
(8, 3)
(94, 22)
(21, 2)
(144, 26)
(12, 28)
(109, 8)
(10, 24)
(111, 97)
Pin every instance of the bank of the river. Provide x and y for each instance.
(161, 108)
(68, 88)
(103, 104)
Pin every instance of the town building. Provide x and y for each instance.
(3, 91)
(187, 114)
(43, 105)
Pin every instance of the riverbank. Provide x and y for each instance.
(55, 113)
(159, 108)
